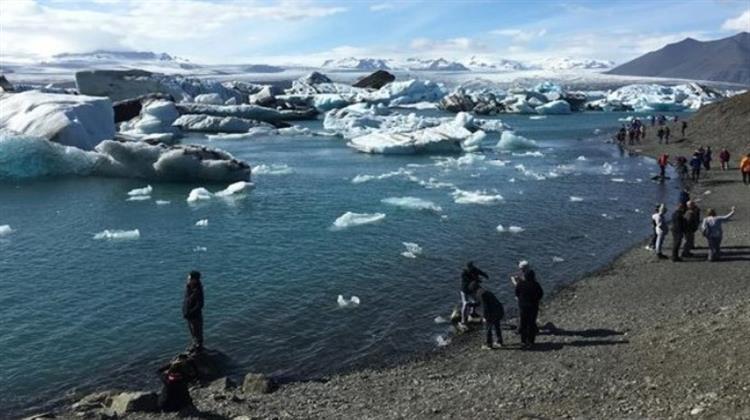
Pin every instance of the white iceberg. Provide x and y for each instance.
(209, 98)
(576, 199)
(350, 219)
(233, 190)
(118, 235)
(360, 179)
(347, 303)
(272, 169)
(147, 190)
(139, 198)
(71, 120)
(509, 140)
(156, 117)
(509, 229)
(202, 223)
(554, 107)
(557, 259)
(475, 197)
(5, 230)
(412, 203)
(213, 124)
(162, 202)
(412, 250)
(199, 194)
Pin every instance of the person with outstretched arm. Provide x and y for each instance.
(528, 293)
(711, 229)
(493, 312)
(470, 274)
(192, 309)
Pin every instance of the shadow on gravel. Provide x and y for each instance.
(554, 346)
(550, 329)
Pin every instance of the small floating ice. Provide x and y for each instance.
(475, 197)
(576, 199)
(707, 192)
(581, 158)
(139, 198)
(118, 234)
(359, 179)
(509, 229)
(273, 169)
(202, 223)
(529, 173)
(199, 194)
(442, 341)
(412, 250)
(350, 219)
(412, 203)
(498, 162)
(535, 153)
(512, 141)
(5, 230)
(607, 168)
(234, 189)
(162, 202)
(200, 249)
(597, 131)
(147, 190)
(345, 303)
(537, 117)
(617, 179)
(441, 320)
(557, 259)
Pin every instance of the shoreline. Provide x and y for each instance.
(633, 338)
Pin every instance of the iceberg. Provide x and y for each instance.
(475, 197)
(412, 203)
(557, 259)
(328, 101)
(509, 140)
(412, 250)
(347, 303)
(147, 190)
(448, 137)
(24, 157)
(360, 179)
(575, 199)
(273, 169)
(442, 341)
(509, 229)
(115, 235)
(213, 124)
(202, 223)
(350, 219)
(199, 194)
(5, 230)
(139, 198)
(71, 120)
(209, 98)
(235, 189)
(554, 107)
(156, 117)
(163, 202)
(249, 112)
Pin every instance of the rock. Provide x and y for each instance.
(221, 385)
(95, 401)
(375, 80)
(128, 109)
(256, 383)
(5, 85)
(71, 120)
(41, 416)
(130, 402)
(315, 78)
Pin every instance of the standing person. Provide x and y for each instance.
(663, 161)
(528, 293)
(493, 312)
(745, 169)
(681, 167)
(692, 223)
(653, 120)
(707, 158)
(667, 133)
(724, 159)
(652, 242)
(192, 309)
(711, 229)
(660, 134)
(695, 166)
(470, 279)
(660, 228)
(684, 196)
(684, 127)
(679, 226)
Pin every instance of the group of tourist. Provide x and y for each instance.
(685, 222)
(701, 161)
(473, 295)
(633, 132)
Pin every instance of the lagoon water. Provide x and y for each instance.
(78, 313)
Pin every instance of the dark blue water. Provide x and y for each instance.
(78, 313)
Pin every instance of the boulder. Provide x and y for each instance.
(256, 383)
(5, 85)
(131, 402)
(95, 401)
(128, 109)
(71, 120)
(315, 78)
(375, 80)
(221, 385)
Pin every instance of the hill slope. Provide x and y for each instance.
(723, 60)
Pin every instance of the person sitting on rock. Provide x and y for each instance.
(471, 274)
(192, 309)
(175, 395)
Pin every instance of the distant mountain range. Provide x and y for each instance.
(474, 63)
(722, 60)
(106, 55)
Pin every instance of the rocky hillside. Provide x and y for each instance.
(722, 60)
(724, 124)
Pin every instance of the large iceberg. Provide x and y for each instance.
(250, 112)
(554, 107)
(213, 124)
(71, 120)
(156, 117)
(660, 98)
(449, 137)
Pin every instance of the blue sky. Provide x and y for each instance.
(310, 31)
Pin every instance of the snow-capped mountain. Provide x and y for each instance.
(351, 63)
(480, 63)
(440, 64)
(116, 56)
(567, 63)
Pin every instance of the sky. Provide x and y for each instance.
(311, 31)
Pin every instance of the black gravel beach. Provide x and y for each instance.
(642, 338)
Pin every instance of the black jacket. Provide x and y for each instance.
(192, 304)
(469, 275)
(528, 291)
(693, 219)
(679, 224)
(491, 307)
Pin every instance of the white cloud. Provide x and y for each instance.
(520, 35)
(441, 46)
(379, 7)
(27, 27)
(739, 23)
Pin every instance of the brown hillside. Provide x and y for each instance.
(722, 124)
